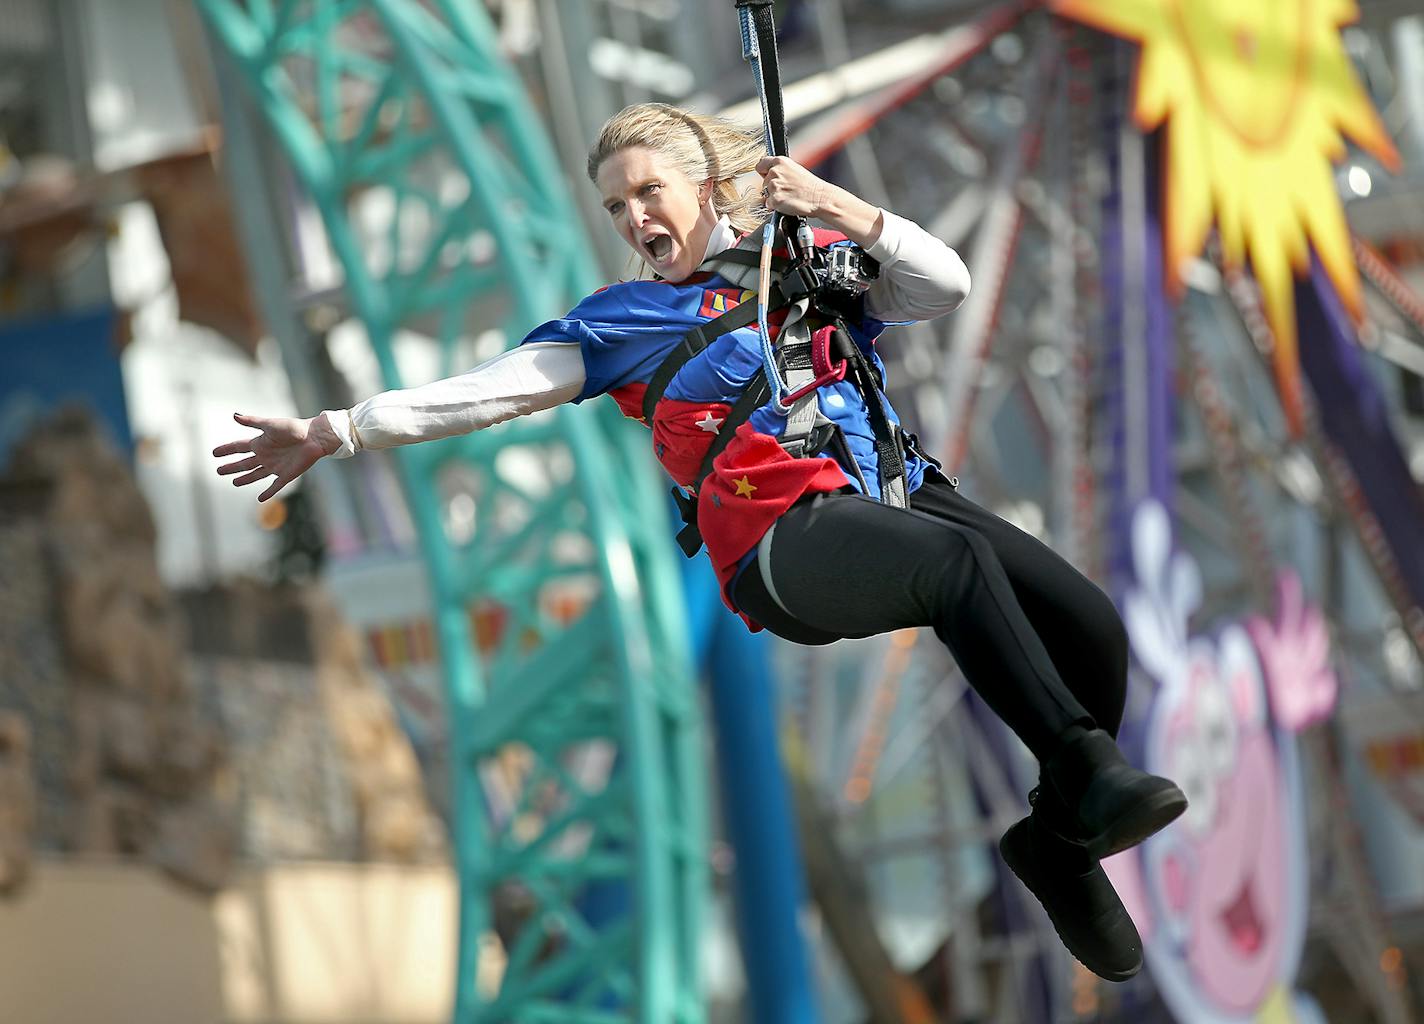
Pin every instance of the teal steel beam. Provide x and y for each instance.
(404, 100)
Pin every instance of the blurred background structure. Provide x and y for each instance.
(452, 732)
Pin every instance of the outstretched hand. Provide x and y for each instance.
(286, 448)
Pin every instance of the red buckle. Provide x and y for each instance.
(836, 373)
(821, 351)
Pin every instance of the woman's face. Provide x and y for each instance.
(657, 210)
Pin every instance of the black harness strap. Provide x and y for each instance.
(890, 455)
(887, 443)
(757, 394)
(765, 27)
(758, 13)
(698, 339)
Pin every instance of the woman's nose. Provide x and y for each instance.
(636, 213)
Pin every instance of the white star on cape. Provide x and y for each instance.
(710, 423)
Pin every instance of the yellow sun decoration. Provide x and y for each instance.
(1255, 95)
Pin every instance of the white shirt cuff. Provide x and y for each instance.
(340, 420)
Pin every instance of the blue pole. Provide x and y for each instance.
(767, 881)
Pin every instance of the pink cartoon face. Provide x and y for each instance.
(1220, 878)
(1219, 896)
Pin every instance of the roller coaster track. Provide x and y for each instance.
(558, 611)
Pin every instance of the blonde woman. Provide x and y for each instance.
(844, 533)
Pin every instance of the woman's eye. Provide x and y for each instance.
(614, 209)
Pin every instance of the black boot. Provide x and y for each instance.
(1080, 900)
(1091, 795)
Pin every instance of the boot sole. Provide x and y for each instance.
(1142, 821)
(1030, 882)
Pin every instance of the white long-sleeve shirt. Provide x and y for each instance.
(920, 278)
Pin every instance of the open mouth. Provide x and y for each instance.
(1243, 922)
(659, 246)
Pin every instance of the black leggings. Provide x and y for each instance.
(1039, 642)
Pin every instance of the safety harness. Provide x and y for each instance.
(813, 286)
(813, 348)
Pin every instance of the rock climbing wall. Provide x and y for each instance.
(395, 819)
(187, 729)
(17, 802)
(122, 761)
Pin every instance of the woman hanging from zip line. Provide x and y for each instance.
(823, 518)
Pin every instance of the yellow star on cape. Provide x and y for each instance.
(1255, 95)
(744, 487)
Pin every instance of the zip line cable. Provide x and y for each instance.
(759, 50)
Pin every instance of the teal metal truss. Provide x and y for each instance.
(558, 609)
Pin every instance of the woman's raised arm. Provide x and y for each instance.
(532, 377)
(921, 277)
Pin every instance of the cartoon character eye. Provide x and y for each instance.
(1217, 730)
(1192, 771)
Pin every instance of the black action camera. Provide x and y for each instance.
(843, 273)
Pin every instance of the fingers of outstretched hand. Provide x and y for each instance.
(266, 424)
(239, 467)
(276, 486)
(261, 473)
(235, 447)
(251, 478)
